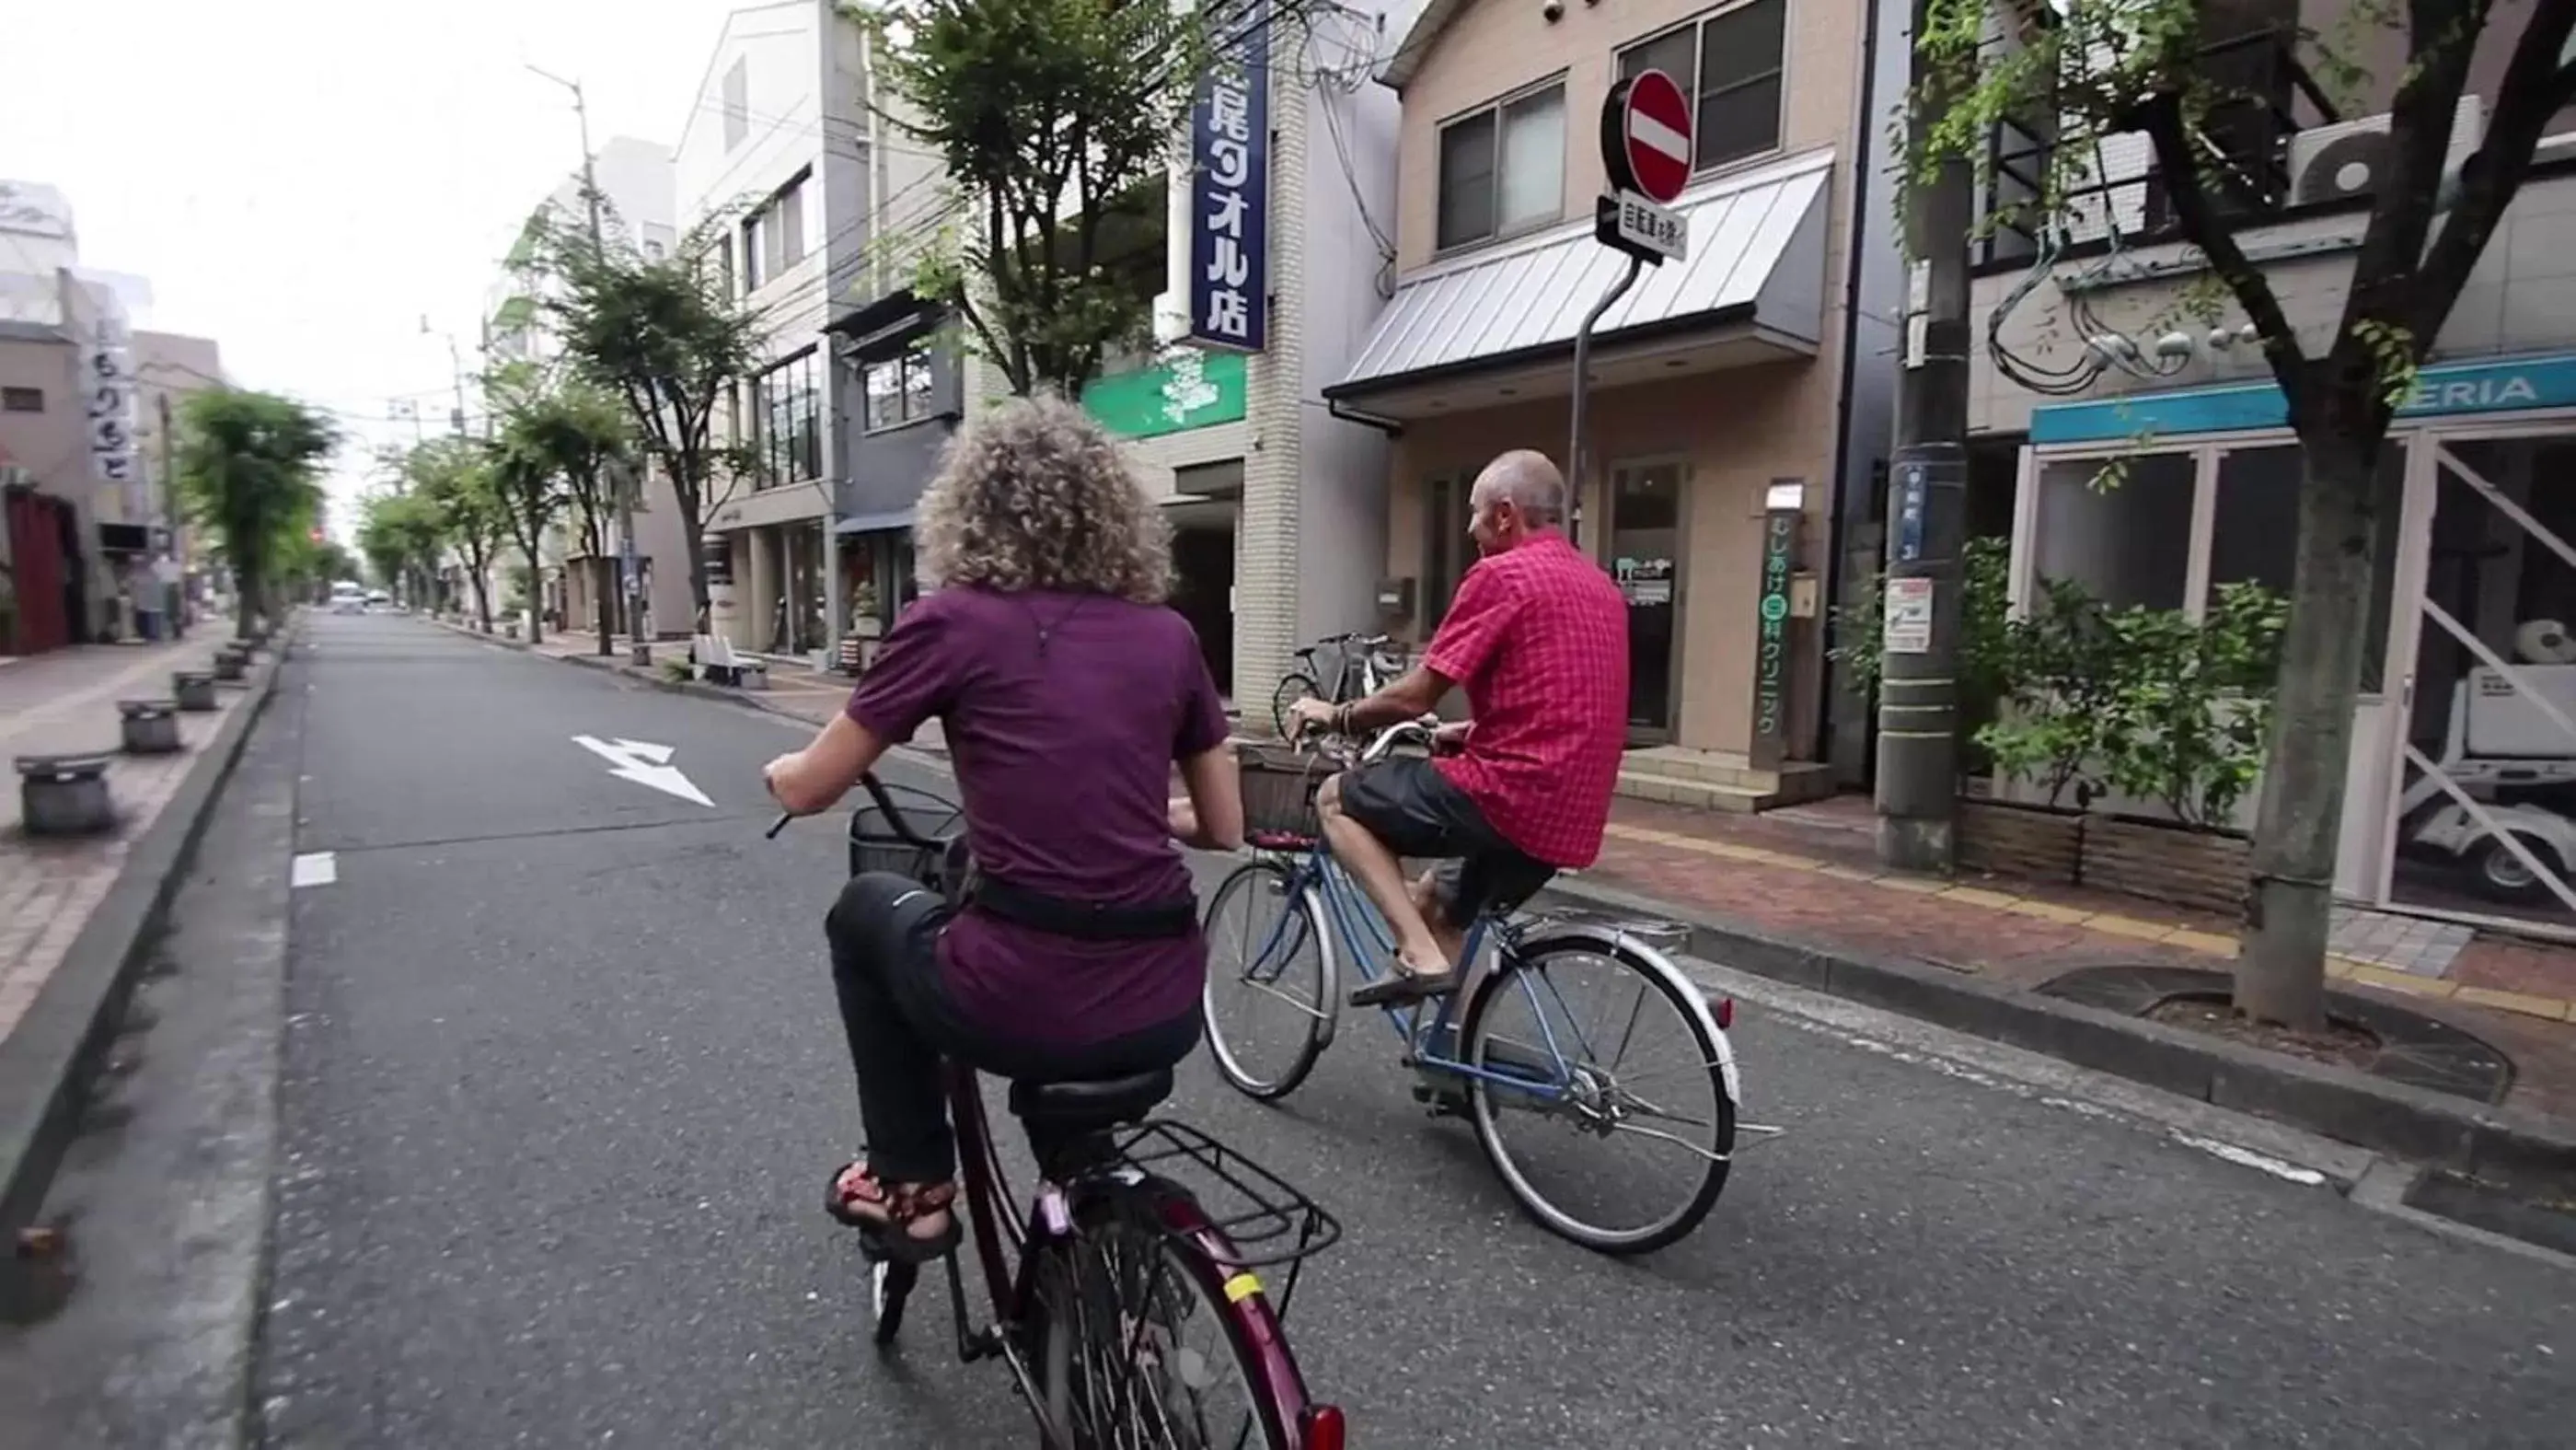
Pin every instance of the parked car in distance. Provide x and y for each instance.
(348, 598)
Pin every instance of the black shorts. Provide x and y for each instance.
(1408, 804)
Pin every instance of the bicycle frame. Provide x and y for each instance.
(1004, 1244)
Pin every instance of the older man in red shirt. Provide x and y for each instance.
(1538, 636)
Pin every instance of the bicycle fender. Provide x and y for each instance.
(1652, 960)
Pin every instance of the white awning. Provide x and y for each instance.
(1756, 258)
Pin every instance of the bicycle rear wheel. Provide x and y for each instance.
(1678, 1102)
(1270, 1004)
(1138, 1340)
(1297, 686)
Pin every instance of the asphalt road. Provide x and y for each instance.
(562, 1082)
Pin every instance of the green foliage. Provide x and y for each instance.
(580, 433)
(662, 338)
(2140, 701)
(1054, 122)
(249, 466)
(454, 478)
(1984, 604)
(401, 535)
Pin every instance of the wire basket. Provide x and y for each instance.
(874, 846)
(1266, 1221)
(1279, 792)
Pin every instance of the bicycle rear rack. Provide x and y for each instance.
(1267, 1220)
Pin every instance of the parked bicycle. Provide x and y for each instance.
(1361, 665)
(1131, 1311)
(1288, 918)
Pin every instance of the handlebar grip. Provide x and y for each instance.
(777, 826)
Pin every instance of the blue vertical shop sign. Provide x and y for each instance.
(1230, 187)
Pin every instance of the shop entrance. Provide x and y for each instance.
(2484, 820)
(1645, 558)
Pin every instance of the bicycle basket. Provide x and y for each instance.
(874, 846)
(1279, 790)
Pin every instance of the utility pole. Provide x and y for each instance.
(178, 589)
(632, 586)
(1918, 716)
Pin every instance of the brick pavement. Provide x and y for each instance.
(62, 703)
(1808, 874)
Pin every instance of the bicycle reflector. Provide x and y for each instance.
(1320, 1428)
(1726, 1014)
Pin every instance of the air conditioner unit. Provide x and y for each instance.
(2346, 160)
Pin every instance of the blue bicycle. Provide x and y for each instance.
(1280, 925)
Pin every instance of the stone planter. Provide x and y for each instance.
(2040, 843)
(151, 727)
(193, 689)
(64, 795)
(230, 663)
(2165, 862)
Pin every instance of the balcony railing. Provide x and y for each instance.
(2123, 194)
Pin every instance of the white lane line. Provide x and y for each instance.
(314, 868)
(2248, 1158)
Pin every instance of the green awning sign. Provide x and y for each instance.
(1192, 390)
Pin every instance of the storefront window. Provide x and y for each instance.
(2120, 528)
(2254, 533)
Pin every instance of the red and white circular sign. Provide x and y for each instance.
(1654, 135)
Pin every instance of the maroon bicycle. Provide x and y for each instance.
(1098, 1286)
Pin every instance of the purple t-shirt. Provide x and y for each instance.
(1063, 715)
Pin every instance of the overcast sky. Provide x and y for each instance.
(303, 180)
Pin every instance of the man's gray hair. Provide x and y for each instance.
(1528, 481)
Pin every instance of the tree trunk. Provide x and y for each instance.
(2280, 967)
(482, 591)
(536, 596)
(245, 602)
(604, 568)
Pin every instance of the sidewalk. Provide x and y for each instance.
(64, 703)
(1808, 874)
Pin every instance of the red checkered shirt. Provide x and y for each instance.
(1538, 635)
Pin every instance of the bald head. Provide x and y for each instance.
(1525, 479)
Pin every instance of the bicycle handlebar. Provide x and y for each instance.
(876, 790)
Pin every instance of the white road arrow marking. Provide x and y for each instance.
(644, 764)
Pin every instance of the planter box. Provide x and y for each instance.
(2036, 842)
(2202, 869)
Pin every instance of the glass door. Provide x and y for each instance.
(2485, 815)
(1645, 552)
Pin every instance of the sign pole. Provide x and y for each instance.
(1583, 387)
(1646, 153)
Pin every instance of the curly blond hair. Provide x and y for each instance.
(1035, 495)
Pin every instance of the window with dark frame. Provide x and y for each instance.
(787, 422)
(22, 400)
(1731, 63)
(1444, 546)
(773, 236)
(1502, 168)
(900, 389)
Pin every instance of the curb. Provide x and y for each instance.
(77, 1009)
(2504, 1147)
(695, 689)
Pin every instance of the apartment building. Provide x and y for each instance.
(1740, 401)
(779, 149)
(2469, 682)
(91, 537)
(635, 182)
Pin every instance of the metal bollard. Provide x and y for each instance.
(151, 727)
(229, 663)
(193, 689)
(64, 795)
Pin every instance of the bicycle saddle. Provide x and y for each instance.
(1093, 1106)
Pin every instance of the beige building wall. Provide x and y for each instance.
(1740, 429)
(1775, 422)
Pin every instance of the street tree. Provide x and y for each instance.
(1055, 122)
(666, 339)
(455, 475)
(527, 479)
(249, 469)
(582, 432)
(402, 536)
(2139, 67)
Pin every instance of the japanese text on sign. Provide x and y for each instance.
(112, 412)
(1659, 230)
(1771, 637)
(1230, 189)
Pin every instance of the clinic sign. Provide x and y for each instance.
(108, 379)
(1780, 521)
(1230, 186)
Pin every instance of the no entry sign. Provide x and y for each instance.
(1646, 136)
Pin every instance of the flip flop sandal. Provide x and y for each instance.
(1399, 987)
(890, 1239)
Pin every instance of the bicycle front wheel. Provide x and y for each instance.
(1297, 686)
(1137, 1338)
(1585, 1042)
(1269, 1005)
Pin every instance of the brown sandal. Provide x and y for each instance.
(898, 1206)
